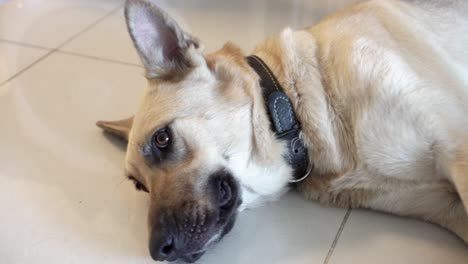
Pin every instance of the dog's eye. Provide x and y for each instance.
(161, 138)
(138, 185)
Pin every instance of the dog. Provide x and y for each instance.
(377, 94)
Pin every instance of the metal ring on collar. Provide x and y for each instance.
(311, 167)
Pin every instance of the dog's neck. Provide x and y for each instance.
(291, 56)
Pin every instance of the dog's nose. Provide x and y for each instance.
(226, 193)
(162, 247)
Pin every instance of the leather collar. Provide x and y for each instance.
(283, 119)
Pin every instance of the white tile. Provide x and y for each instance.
(371, 237)
(63, 195)
(290, 231)
(49, 23)
(108, 39)
(14, 58)
(246, 22)
(243, 22)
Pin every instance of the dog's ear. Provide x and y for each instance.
(164, 48)
(119, 128)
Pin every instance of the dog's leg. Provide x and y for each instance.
(433, 201)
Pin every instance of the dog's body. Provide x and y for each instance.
(380, 89)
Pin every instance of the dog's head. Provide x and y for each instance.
(191, 144)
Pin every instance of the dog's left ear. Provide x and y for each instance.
(165, 49)
(119, 128)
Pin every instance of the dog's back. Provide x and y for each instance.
(404, 77)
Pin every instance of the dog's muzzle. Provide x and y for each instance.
(184, 232)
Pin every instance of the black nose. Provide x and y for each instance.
(226, 192)
(162, 247)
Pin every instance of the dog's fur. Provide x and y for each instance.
(381, 90)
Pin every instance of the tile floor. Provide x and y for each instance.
(65, 64)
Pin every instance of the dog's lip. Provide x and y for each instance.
(192, 257)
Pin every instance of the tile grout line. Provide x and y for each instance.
(337, 236)
(77, 54)
(51, 51)
(27, 67)
(89, 27)
(24, 44)
(98, 58)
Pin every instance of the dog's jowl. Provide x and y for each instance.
(366, 109)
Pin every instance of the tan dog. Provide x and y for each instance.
(381, 91)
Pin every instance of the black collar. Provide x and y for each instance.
(283, 119)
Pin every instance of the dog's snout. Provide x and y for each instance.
(183, 229)
(162, 247)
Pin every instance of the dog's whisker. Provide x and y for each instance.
(123, 179)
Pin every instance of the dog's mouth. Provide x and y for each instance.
(226, 228)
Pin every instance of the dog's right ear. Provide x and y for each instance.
(119, 128)
(164, 48)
